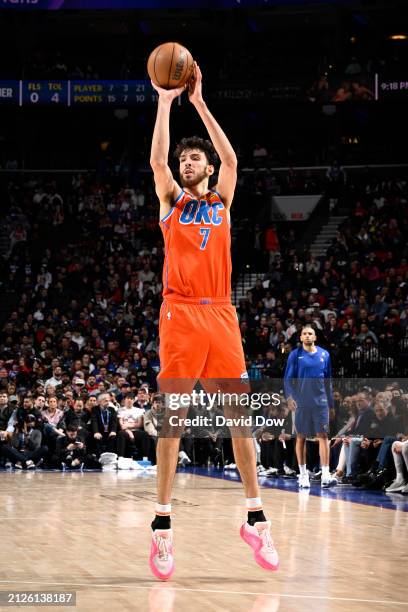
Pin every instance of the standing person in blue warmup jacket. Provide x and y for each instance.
(308, 391)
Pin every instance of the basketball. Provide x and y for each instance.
(170, 65)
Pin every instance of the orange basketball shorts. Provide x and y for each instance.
(200, 341)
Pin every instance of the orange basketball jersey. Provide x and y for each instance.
(197, 241)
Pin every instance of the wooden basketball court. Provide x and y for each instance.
(89, 532)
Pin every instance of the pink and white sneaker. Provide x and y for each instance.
(161, 559)
(259, 539)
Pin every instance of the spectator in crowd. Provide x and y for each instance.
(24, 447)
(208, 436)
(6, 410)
(143, 399)
(27, 408)
(362, 428)
(384, 425)
(145, 374)
(70, 449)
(53, 418)
(133, 440)
(77, 416)
(56, 379)
(104, 423)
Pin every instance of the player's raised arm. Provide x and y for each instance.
(227, 176)
(166, 187)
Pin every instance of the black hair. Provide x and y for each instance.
(309, 326)
(195, 142)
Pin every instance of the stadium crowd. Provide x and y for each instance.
(79, 350)
(356, 297)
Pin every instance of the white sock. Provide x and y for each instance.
(253, 504)
(325, 471)
(163, 509)
(303, 470)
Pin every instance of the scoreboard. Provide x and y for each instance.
(77, 93)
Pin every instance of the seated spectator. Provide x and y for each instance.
(78, 417)
(146, 375)
(385, 425)
(133, 440)
(208, 437)
(363, 427)
(24, 447)
(104, 424)
(27, 408)
(6, 410)
(53, 418)
(56, 378)
(143, 398)
(71, 453)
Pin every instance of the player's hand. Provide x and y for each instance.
(168, 95)
(195, 90)
(98, 436)
(291, 404)
(397, 447)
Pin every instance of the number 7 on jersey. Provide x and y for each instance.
(205, 234)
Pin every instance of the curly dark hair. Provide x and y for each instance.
(195, 142)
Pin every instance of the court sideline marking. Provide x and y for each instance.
(288, 596)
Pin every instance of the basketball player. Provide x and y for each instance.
(199, 333)
(308, 391)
